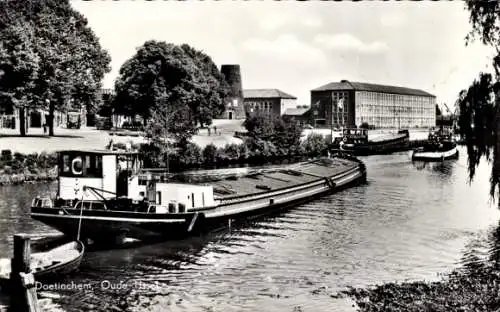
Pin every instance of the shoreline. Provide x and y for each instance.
(45, 175)
(474, 287)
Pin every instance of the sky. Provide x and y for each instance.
(298, 46)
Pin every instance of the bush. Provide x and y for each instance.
(210, 154)
(221, 156)
(243, 152)
(314, 145)
(191, 154)
(151, 154)
(232, 151)
(6, 157)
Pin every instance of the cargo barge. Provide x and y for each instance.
(356, 141)
(107, 194)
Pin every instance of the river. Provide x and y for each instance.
(409, 222)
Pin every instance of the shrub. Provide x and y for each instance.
(232, 151)
(6, 157)
(151, 154)
(314, 145)
(210, 154)
(221, 156)
(243, 152)
(191, 154)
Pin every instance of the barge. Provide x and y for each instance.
(105, 195)
(440, 146)
(356, 141)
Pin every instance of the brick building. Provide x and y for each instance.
(349, 104)
(272, 101)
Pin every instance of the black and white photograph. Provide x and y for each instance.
(240, 156)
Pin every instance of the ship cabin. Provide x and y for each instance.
(108, 171)
(441, 134)
(115, 180)
(354, 136)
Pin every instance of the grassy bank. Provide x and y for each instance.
(16, 168)
(474, 288)
(20, 168)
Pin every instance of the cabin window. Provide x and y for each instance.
(171, 207)
(82, 166)
(152, 209)
(98, 206)
(87, 205)
(87, 163)
(66, 163)
(158, 198)
(77, 166)
(182, 208)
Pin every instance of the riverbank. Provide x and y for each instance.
(42, 175)
(474, 288)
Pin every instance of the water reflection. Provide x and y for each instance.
(404, 224)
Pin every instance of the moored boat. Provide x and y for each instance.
(107, 194)
(356, 141)
(440, 146)
(49, 264)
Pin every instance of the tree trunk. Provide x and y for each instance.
(22, 120)
(50, 122)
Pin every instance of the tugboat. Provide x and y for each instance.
(107, 195)
(356, 142)
(440, 146)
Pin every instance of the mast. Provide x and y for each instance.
(331, 120)
(166, 132)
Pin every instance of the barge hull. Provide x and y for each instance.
(103, 225)
(435, 156)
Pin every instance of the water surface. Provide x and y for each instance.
(408, 222)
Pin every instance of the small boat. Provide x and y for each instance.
(356, 141)
(49, 264)
(440, 146)
(107, 196)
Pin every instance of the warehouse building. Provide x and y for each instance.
(270, 101)
(350, 104)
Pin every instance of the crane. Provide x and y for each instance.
(453, 115)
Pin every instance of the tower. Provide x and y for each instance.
(234, 108)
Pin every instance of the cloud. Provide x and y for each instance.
(347, 42)
(287, 47)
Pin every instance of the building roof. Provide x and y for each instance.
(371, 87)
(296, 111)
(266, 93)
(97, 151)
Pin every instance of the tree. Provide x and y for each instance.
(212, 105)
(178, 82)
(284, 134)
(438, 111)
(71, 61)
(19, 65)
(479, 108)
(259, 126)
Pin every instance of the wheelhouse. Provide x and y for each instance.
(105, 170)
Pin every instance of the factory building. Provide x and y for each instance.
(270, 101)
(350, 104)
